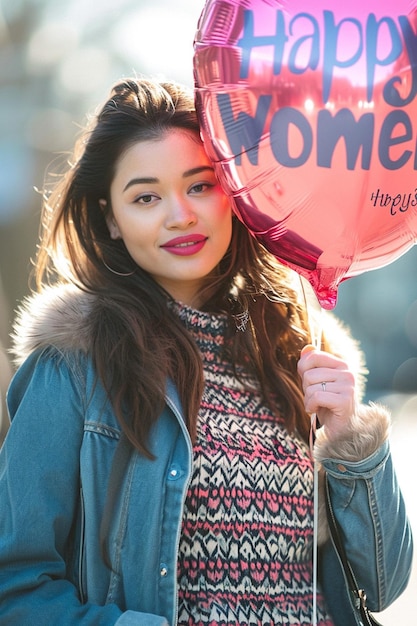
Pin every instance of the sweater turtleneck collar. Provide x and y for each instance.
(209, 330)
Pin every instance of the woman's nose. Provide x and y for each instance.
(181, 214)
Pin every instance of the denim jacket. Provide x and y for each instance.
(63, 449)
(51, 564)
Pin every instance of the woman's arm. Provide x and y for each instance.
(368, 505)
(352, 447)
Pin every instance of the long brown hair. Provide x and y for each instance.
(137, 341)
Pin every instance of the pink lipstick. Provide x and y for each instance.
(186, 245)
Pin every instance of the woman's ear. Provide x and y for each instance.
(110, 221)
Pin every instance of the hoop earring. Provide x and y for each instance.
(117, 273)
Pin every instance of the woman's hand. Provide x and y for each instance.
(329, 390)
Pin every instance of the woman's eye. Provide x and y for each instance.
(145, 198)
(200, 187)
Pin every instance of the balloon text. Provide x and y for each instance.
(393, 136)
(368, 38)
(244, 133)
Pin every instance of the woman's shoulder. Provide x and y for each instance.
(58, 317)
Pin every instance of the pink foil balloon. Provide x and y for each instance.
(309, 113)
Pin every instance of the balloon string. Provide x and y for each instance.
(316, 340)
(316, 323)
(315, 539)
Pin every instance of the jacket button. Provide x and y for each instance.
(174, 472)
(341, 468)
(164, 571)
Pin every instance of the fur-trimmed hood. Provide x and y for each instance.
(59, 316)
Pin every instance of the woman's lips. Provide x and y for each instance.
(185, 246)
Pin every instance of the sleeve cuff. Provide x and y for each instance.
(365, 437)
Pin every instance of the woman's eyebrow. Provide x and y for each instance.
(198, 170)
(141, 181)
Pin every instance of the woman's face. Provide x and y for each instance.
(171, 212)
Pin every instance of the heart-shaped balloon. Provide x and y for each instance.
(309, 112)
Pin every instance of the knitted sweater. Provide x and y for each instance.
(245, 554)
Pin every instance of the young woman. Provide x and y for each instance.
(157, 470)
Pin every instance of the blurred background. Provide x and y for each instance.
(58, 60)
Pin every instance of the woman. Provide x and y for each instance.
(157, 469)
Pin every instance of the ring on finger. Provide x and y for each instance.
(323, 386)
